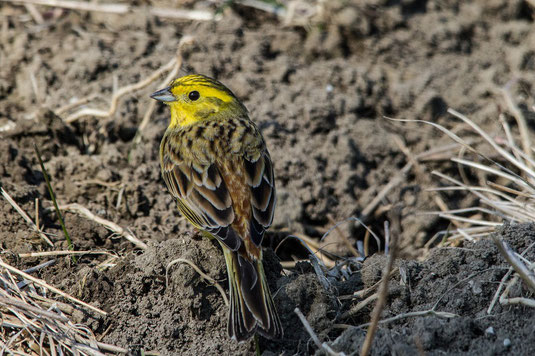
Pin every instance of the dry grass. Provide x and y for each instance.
(525, 271)
(34, 324)
(507, 191)
(504, 190)
(114, 8)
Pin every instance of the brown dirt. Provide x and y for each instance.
(462, 281)
(319, 94)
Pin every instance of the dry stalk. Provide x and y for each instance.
(79, 209)
(36, 15)
(291, 264)
(366, 243)
(32, 328)
(64, 307)
(344, 237)
(64, 253)
(359, 222)
(364, 294)
(310, 242)
(518, 300)
(122, 9)
(79, 102)
(264, 6)
(383, 288)
(504, 279)
(527, 275)
(111, 185)
(312, 247)
(394, 182)
(499, 290)
(108, 263)
(421, 173)
(360, 305)
(430, 312)
(520, 121)
(119, 93)
(504, 202)
(508, 133)
(322, 346)
(505, 300)
(49, 287)
(200, 272)
(505, 189)
(37, 311)
(509, 157)
(25, 216)
(314, 261)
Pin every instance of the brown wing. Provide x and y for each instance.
(260, 178)
(202, 195)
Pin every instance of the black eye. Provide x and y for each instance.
(193, 95)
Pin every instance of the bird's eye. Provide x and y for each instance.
(193, 95)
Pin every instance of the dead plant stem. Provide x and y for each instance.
(383, 288)
(77, 208)
(121, 9)
(49, 287)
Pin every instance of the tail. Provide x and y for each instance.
(251, 305)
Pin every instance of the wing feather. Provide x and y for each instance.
(259, 176)
(254, 171)
(202, 196)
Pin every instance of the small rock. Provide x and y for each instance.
(490, 331)
(507, 342)
(477, 289)
(104, 174)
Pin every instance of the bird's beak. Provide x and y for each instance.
(164, 95)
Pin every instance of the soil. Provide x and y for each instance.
(462, 281)
(319, 92)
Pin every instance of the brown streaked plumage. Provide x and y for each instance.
(215, 163)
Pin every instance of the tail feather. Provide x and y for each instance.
(251, 306)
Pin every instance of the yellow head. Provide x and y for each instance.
(195, 98)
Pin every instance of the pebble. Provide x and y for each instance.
(490, 331)
(507, 342)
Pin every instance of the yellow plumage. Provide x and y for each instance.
(215, 163)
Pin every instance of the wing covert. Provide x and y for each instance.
(202, 196)
(260, 178)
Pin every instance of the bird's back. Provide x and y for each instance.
(228, 145)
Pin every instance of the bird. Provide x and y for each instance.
(215, 163)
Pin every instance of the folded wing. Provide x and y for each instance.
(202, 197)
(260, 178)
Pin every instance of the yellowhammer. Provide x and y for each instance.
(215, 163)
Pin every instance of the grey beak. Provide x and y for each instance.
(164, 95)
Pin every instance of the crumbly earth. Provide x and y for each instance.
(462, 281)
(319, 92)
